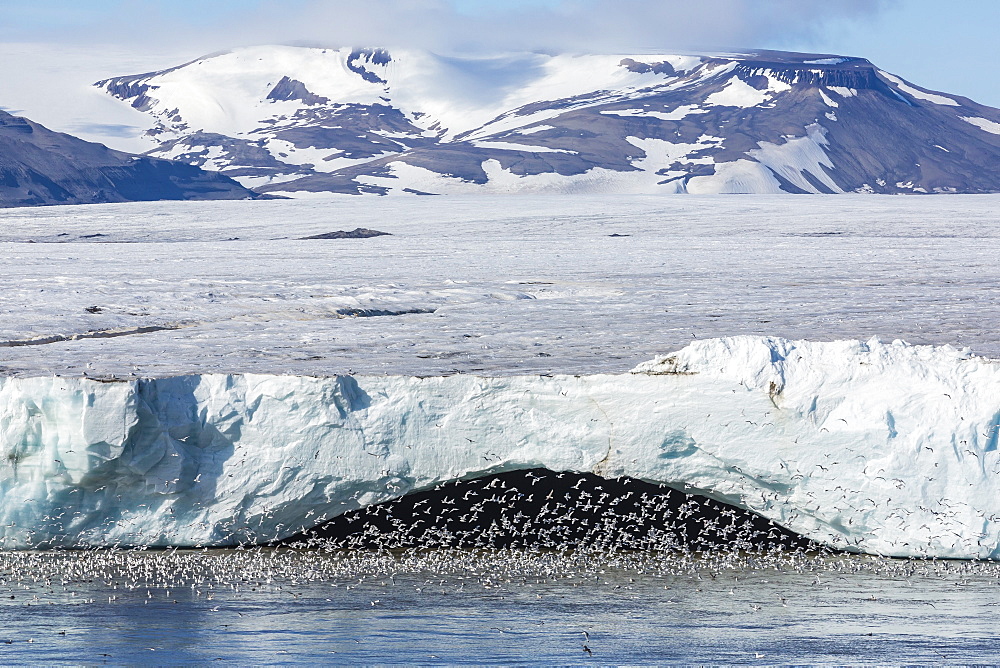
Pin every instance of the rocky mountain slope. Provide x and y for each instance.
(39, 166)
(296, 120)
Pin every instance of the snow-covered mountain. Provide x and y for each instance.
(39, 166)
(298, 120)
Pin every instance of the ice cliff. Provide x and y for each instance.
(877, 447)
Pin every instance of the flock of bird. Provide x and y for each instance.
(513, 534)
(506, 528)
(541, 509)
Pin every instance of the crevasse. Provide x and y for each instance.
(883, 448)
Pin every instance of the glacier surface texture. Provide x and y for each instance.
(877, 447)
(483, 286)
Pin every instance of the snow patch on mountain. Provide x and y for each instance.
(984, 124)
(844, 92)
(511, 146)
(827, 99)
(737, 93)
(800, 158)
(534, 129)
(677, 114)
(919, 94)
(734, 178)
(826, 61)
(406, 179)
(656, 172)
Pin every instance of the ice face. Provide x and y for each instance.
(877, 447)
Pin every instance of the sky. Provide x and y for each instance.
(951, 47)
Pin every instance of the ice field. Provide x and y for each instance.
(488, 335)
(516, 285)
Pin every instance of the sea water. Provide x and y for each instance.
(281, 606)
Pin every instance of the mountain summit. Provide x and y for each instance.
(296, 120)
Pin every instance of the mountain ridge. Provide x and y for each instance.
(310, 120)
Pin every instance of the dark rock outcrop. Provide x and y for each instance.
(356, 233)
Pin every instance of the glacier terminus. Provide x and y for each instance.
(227, 381)
(873, 447)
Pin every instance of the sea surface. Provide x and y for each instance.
(267, 606)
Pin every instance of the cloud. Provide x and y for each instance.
(106, 129)
(575, 25)
(472, 25)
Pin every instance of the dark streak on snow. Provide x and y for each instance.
(357, 233)
(377, 312)
(103, 334)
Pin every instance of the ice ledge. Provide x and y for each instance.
(879, 447)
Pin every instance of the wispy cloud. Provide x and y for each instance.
(453, 25)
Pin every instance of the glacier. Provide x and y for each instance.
(874, 447)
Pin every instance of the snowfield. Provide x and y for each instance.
(242, 383)
(517, 285)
